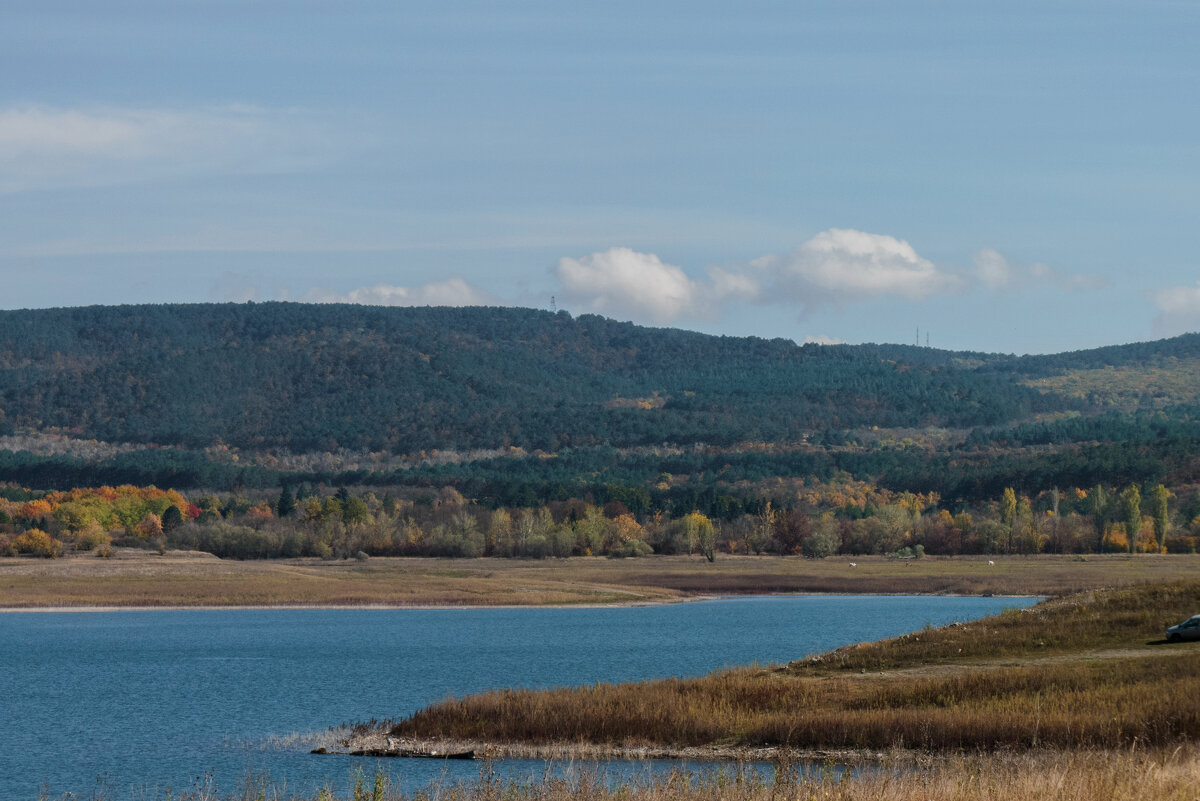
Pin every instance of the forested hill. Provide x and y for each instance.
(322, 377)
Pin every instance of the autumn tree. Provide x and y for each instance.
(1131, 513)
(38, 543)
(1055, 500)
(1097, 507)
(630, 538)
(791, 530)
(355, 511)
(1008, 515)
(591, 531)
(764, 529)
(149, 526)
(1161, 515)
(500, 534)
(701, 535)
(824, 538)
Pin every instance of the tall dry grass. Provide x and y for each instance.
(1090, 620)
(938, 693)
(1074, 776)
(1111, 703)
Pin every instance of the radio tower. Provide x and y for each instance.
(553, 305)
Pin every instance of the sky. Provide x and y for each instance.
(1018, 177)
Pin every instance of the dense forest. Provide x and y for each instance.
(323, 377)
(519, 408)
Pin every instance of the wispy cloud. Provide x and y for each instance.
(42, 146)
(822, 339)
(451, 292)
(995, 272)
(1178, 310)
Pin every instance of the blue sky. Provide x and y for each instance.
(1016, 177)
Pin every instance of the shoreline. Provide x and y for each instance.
(376, 745)
(145, 581)
(468, 607)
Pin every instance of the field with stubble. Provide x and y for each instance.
(144, 578)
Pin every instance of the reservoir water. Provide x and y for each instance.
(133, 702)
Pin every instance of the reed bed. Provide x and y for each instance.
(1050, 688)
(1109, 704)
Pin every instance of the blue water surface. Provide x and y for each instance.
(134, 702)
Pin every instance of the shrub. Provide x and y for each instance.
(632, 548)
(150, 526)
(38, 543)
(91, 537)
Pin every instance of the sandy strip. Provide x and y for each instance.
(369, 607)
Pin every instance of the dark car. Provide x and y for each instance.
(1187, 630)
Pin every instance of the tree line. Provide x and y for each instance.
(817, 521)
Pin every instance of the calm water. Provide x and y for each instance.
(141, 701)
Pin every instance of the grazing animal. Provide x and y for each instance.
(990, 562)
(854, 564)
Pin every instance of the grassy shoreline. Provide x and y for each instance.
(1078, 671)
(141, 579)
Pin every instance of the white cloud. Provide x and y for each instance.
(625, 283)
(842, 265)
(822, 339)
(47, 147)
(451, 292)
(836, 266)
(1178, 310)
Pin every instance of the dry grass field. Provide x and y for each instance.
(143, 578)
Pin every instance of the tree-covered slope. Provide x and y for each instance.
(320, 377)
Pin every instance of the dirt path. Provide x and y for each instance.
(955, 668)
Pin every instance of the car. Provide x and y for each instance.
(1187, 630)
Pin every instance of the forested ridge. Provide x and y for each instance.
(322, 377)
(518, 407)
